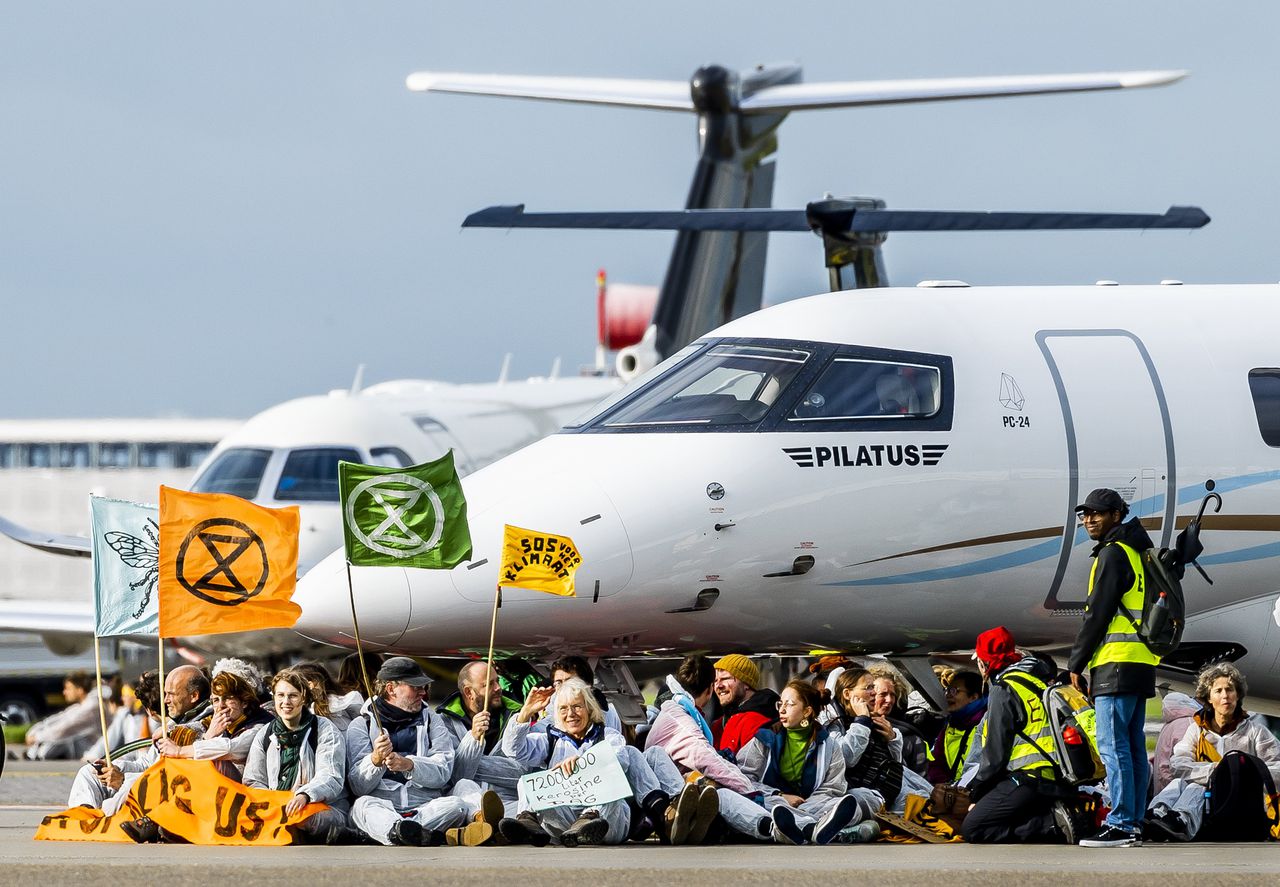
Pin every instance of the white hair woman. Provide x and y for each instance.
(1222, 725)
(577, 725)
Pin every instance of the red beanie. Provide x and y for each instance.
(995, 647)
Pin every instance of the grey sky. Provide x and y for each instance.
(209, 209)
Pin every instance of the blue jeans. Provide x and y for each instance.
(1123, 747)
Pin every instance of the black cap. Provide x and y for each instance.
(1103, 500)
(403, 670)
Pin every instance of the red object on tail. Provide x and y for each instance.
(623, 312)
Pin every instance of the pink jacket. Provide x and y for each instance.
(1176, 711)
(680, 735)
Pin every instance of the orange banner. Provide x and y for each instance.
(225, 564)
(191, 799)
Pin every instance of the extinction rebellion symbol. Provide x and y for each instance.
(227, 567)
(379, 521)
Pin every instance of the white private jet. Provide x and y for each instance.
(887, 470)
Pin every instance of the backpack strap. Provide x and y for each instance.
(1057, 771)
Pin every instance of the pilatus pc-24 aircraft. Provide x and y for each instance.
(884, 470)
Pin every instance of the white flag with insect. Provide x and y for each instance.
(126, 567)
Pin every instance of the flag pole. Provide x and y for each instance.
(164, 714)
(364, 672)
(493, 631)
(102, 703)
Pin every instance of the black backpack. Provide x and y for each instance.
(1164, 609)
(1240, 804)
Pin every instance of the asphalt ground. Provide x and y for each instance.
(31, 790)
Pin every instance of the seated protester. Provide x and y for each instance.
(871, 747)
(124, 724)
(567, 667)
(890, 695)
(1176, 711)
(744, 706)
(351, 678)
(228, 733)
(67, 734)
(302, 752)
(1220, 727)
(186, 702)
(478, 755)
(577, 724)
(1012, 790)
(332, 702)
(799, 767)
(398, 774)
(966, 707)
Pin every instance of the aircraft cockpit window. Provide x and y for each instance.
(237, 472)
(727, 384)
(311, 475)
(866, 389)
(599, 409)
(389, 457)
(1264, 385)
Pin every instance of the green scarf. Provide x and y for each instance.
(793, 753)
(290, 744)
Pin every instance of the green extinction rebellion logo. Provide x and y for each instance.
(379, 512)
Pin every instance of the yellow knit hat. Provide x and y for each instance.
(741, 668)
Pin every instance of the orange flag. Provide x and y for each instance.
(225, 564)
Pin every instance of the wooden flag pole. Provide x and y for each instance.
(493, 631)
(102, 703)
(164, 709)
(364, 672)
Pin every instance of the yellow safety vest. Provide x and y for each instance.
(1033, 747)
(956, 743)
(1121, 642)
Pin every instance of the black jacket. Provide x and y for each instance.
(1005, 717)
(1113, 578)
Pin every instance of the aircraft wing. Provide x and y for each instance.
(45, 617)
(54, 543)
(809, 96)
(664, 95)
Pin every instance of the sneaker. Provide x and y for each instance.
(1065, 822)
(1165, 826)
(1113, 836)
(142, 831)
(473, 834)
(587, 830)
(860, 833)
(680, 816)
(708, 810)
(407, 833)
(524, 829)
(785, 828)
(836, 818)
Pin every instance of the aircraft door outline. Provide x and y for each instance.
(1073, 434)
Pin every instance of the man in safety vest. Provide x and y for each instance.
(1122, 671)
(1012, 791)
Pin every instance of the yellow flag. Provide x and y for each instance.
(538, 561)
(225, 564)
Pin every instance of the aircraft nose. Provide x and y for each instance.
(319, 533)
(382, 604)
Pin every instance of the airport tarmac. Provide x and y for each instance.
(29, 791)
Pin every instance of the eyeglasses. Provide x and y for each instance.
(568, 709)
(788, 703)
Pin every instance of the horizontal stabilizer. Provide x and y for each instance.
(54, 543)
(810, 96)
(47, 618)
(675, 95)
(664, 95)
(833, 217)
(675, 220)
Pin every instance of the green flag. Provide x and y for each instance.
(404, 517)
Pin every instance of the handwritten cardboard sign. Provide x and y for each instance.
(597, 779)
